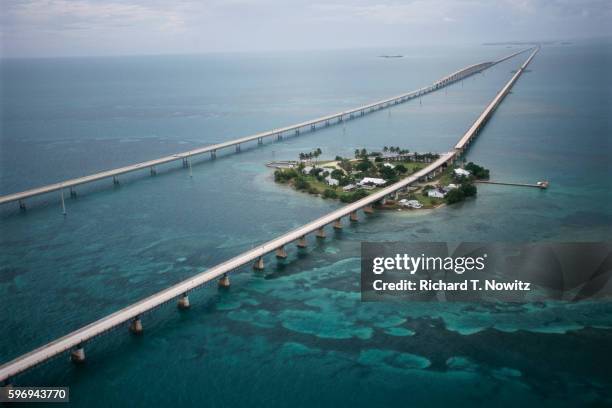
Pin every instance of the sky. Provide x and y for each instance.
(52, 28)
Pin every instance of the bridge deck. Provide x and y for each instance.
(484, 116)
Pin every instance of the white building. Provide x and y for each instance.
(372, 181)
(331, 181)
(349, 187)
(452, 186)
(389, 165)
(410, 203)
(436, 193)
(307, 169)
(414, 204)
(462, 173)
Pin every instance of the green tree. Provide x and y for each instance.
(401, 169)
(455, 196)
(477, 171)
(363, 165)
(316, 154)
(329, 193)
(354, 196)
(337, 174)
(468, 189)
(301, 183)
(388, 173)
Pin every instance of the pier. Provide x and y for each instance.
(75, 342)
(543, 185)
(276, 134)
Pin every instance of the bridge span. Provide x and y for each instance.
(74, 342)
(296, 129)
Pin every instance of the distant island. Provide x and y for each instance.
(521, 43)
(350, 179)
(390, 56)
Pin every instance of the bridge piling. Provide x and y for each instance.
(259, 264)
(190, 170)
(281, 253)
(63, 203)
(77, 355)
(115, 180)
(136, 326)
(22, 205)
(338, 224)
(368, 209)
(224, 282)
(321, 233)
(183, 301)
(153, 171)
(353, 217)
(301, 243)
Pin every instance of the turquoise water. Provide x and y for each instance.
(296, 334)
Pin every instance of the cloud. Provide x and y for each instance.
(76, 27)
(415, 12)
(61, 15)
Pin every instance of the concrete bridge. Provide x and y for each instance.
(467, 138)
(69, 186)
(131, 315)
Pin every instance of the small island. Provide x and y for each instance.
(350, 179)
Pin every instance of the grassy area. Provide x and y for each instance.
(314, 185)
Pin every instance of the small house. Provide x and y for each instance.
(436, 193)
(372, 181)
(462, 173)
(331, 181)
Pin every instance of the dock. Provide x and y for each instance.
(542, 185)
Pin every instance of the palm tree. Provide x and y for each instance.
(385, 149)
(316, 154)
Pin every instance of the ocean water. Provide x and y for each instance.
(296, 334)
